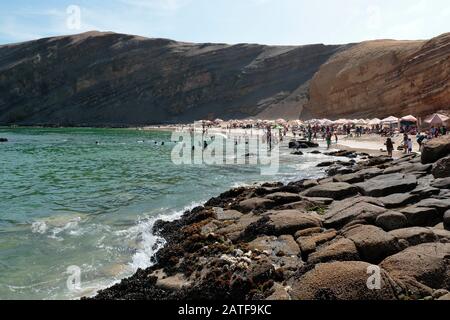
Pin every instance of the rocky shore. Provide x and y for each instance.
(313, 239)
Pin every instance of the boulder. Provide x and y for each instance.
(276, 246)
(447, 220)
(415, 235)
(336, 191)
(344, 212)
(391, 220)
(427, 264)
(441, 205)
(316, 239)
(234, 230)
(443, 183)
(341, 249)
(318, 201)
(384, 185)
(310, 183)
(441, 169)
(346, 280)
(281, 198)
(254, 204)
(425, 191)
(3, 140)
(224, 215)
(373, 243)
(421, 216)
(436, 149)
(398, 200)
(283, 222)
(279, 293)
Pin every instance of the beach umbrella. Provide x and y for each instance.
(437, 119)
(218, 121)
(360, 122)
(409, 118)
(374, 122)
(390, 120)
(341, 121)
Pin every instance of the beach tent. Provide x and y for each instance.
(374, 122)
(409, 119)
(390, 120)
(437, 119)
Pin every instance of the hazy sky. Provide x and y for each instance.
(230, 21)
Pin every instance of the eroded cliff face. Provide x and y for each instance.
(113, 79)
(382, 78)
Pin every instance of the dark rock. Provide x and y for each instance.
(385, 185)
(281, 198)
(283, 222)
(441, 205)
(341, 249)
(325, 164)
(342, 281)
(447, 220)
(373, 243)
(426, 263)
(399, 200)
(336, 191)
(415, 235)
(297, 153)
(436, 149)
(3, 140)
(315, 152)
(443, 183)
(441, 169)
(252, 204)
(391, 220)
(421, 216)
(340, 213)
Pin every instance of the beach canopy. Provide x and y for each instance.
(374, 122)
(360, 122)
(390, 120)
(437, 119)
(341, 121)
(409, 119)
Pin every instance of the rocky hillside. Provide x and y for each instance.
(115, 79)
(384, 78)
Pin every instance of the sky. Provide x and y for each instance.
(275, 22)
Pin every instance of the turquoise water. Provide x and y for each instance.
(67, 201)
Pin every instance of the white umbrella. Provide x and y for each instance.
(361, 122)
(390, 120)
(409, 118)
(437, 119)
(374, 122)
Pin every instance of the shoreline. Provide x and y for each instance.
(278, 242)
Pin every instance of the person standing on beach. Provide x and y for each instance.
(328, 140)
(389, 146)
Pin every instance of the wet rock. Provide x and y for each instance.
(373, 243)
(385, 185)
(398, 200)
(281, 198)
(334, 190)
(254, 204)
(415, 235)
(343, 212)
(391, 220)
(341, 249)
(443, 183)
(3, 140)
(342, 281)
(276, 246)
(421, 216)
(425, 263)
(436, 149)
(315, 152)
(441, 169)
(297, 153)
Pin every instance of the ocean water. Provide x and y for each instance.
(67, 201)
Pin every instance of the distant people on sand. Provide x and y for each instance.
(328, 140)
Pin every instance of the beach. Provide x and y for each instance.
(313, 239)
